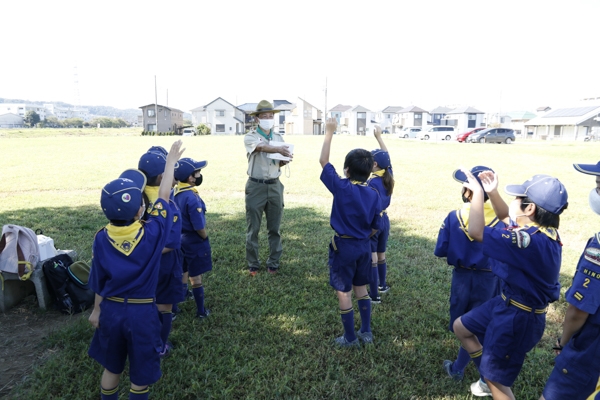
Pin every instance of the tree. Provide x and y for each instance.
(203, 129)
(31, 118)
(51, 122)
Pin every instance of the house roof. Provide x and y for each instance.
(566, 116)
(285, 107)
(158, 105)
(203, 108)
(277, 103)
(360, 108)
(465, 110)
(440, 110)
(521, 115)
(392, 109)
(543, 108)
(412, 109)
(248, 107)
(341, 107)
(307, 102)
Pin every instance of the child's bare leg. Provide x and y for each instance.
(499, 391)
(469, 340)
(109, 380)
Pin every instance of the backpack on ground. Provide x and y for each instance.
(19, 251)
(68, 284)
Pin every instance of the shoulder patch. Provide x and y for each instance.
(175, 218)
(592, 254)
(163, 213)
(520, 238)
(578, 296)
(154, 213)
(158, 205)
(443, 225)
(199, 209)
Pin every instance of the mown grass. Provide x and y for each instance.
(270, 336)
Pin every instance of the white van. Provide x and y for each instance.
(437, 132)
(188, 132)
(409, 132)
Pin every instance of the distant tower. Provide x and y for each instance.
(76, 89)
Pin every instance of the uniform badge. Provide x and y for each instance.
(126, 197)
(443, 225)
(521, 238)
(175, 219)
(199, 209)
(126, 246)
(154, 213)
(158, 205)
(163, 213)
(578, 296)
(592, 255)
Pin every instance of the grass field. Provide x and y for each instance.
(270, 336)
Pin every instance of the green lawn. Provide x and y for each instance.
(270, 336)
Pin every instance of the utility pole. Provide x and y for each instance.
(155, 105)
(325, 115)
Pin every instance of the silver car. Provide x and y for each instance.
(493, 135)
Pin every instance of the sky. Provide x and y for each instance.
(496, 56)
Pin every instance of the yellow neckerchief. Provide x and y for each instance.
(358, 183)
(463, 217)
(552, 233)
(152, 193)
(125, 238)
(184, 186)
(378, 173)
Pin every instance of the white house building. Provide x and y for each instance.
(21, 109)
(566, 123)
(221, 116)
(385, 117)
(411, 116)
(465, 118)
(10, 120)
(341, 113)
(303, 119)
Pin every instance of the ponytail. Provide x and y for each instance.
(388, 181)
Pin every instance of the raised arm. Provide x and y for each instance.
(489, 180)
(377, 134)
(167, 181)
(476, 217)
(330, 127)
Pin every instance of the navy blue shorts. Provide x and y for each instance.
(510, 333)
(129, 331)
(197, 257)
(380, 239)
(349, 263)
(170, 274)
(470, 289)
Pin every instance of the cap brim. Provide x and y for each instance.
(459, 176)
(200, 165)
(137, 176)
(516, 190)
(590, 169)
(264, 111)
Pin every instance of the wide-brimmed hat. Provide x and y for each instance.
(263, 107)
(460, 176)
(544, 190)
(590, 169)
(186, 167)
(121, 199)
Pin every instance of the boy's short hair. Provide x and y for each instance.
(187, 166)
(541, 216)
(359, 163)
(544, 191)
(121, 199)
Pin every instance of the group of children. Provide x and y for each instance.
(141, 261)
(506, 261)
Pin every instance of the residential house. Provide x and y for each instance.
(341, 113)
(438, 115)
(518, 120)
(465, 118)
(361, 120)
(222, 117)
(285, 109)
(303, 118)
(410, 116)
(169, 119)
(10, 120)
(248, 108)
(21, 109)
(566, 123)
(385, 118)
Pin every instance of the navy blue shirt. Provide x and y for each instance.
(376, 182)
(584, 293)
(356, 207)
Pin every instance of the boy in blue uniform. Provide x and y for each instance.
(197, 258)
(473, 282)
(355, 217)
(382, 180)
(168, 292)
(526, 257)
(577, 366)
(124, 275)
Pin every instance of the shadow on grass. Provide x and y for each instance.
(270, 336)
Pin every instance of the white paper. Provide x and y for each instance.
(278, 156)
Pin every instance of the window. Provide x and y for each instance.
(152, 127)
(220, 113)
(166, 115)
(472, 117)
(150, 112)
(418, 116)
(220, 128)
(361, 115)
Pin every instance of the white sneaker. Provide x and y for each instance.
(480, 389)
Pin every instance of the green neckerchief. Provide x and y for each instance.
(263, 134)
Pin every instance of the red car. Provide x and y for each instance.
(463, 136)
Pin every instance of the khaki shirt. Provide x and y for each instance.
(259, 165)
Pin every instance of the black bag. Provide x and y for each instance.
(70, 294)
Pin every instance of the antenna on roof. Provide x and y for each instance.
(76, 88)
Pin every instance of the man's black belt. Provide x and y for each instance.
(267, 181)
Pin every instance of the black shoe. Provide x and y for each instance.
(203, 316)
(384, 289)
(376, 300)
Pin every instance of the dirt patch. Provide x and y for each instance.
(22, 330)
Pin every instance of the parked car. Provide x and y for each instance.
(409, 132)
(437, 132)
(188, 132)
(493, 135)
(463, 136)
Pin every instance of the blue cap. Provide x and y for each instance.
(121, 199)
(158, 149)
(382, 158)
(152, 163)
(186, 167)
(590, 169)
(460, 176)
(544, 190)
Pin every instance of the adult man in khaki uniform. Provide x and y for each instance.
(264, 191)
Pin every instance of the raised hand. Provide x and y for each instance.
(489, 180)
(330, 126)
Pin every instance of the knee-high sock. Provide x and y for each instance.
(109, 394)
(364, 307)
(382, 270)
(348, 322)
(167, 322)
(476, 357)
(199, 298)
(374, 281)
(139, 394)
(462, 360)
